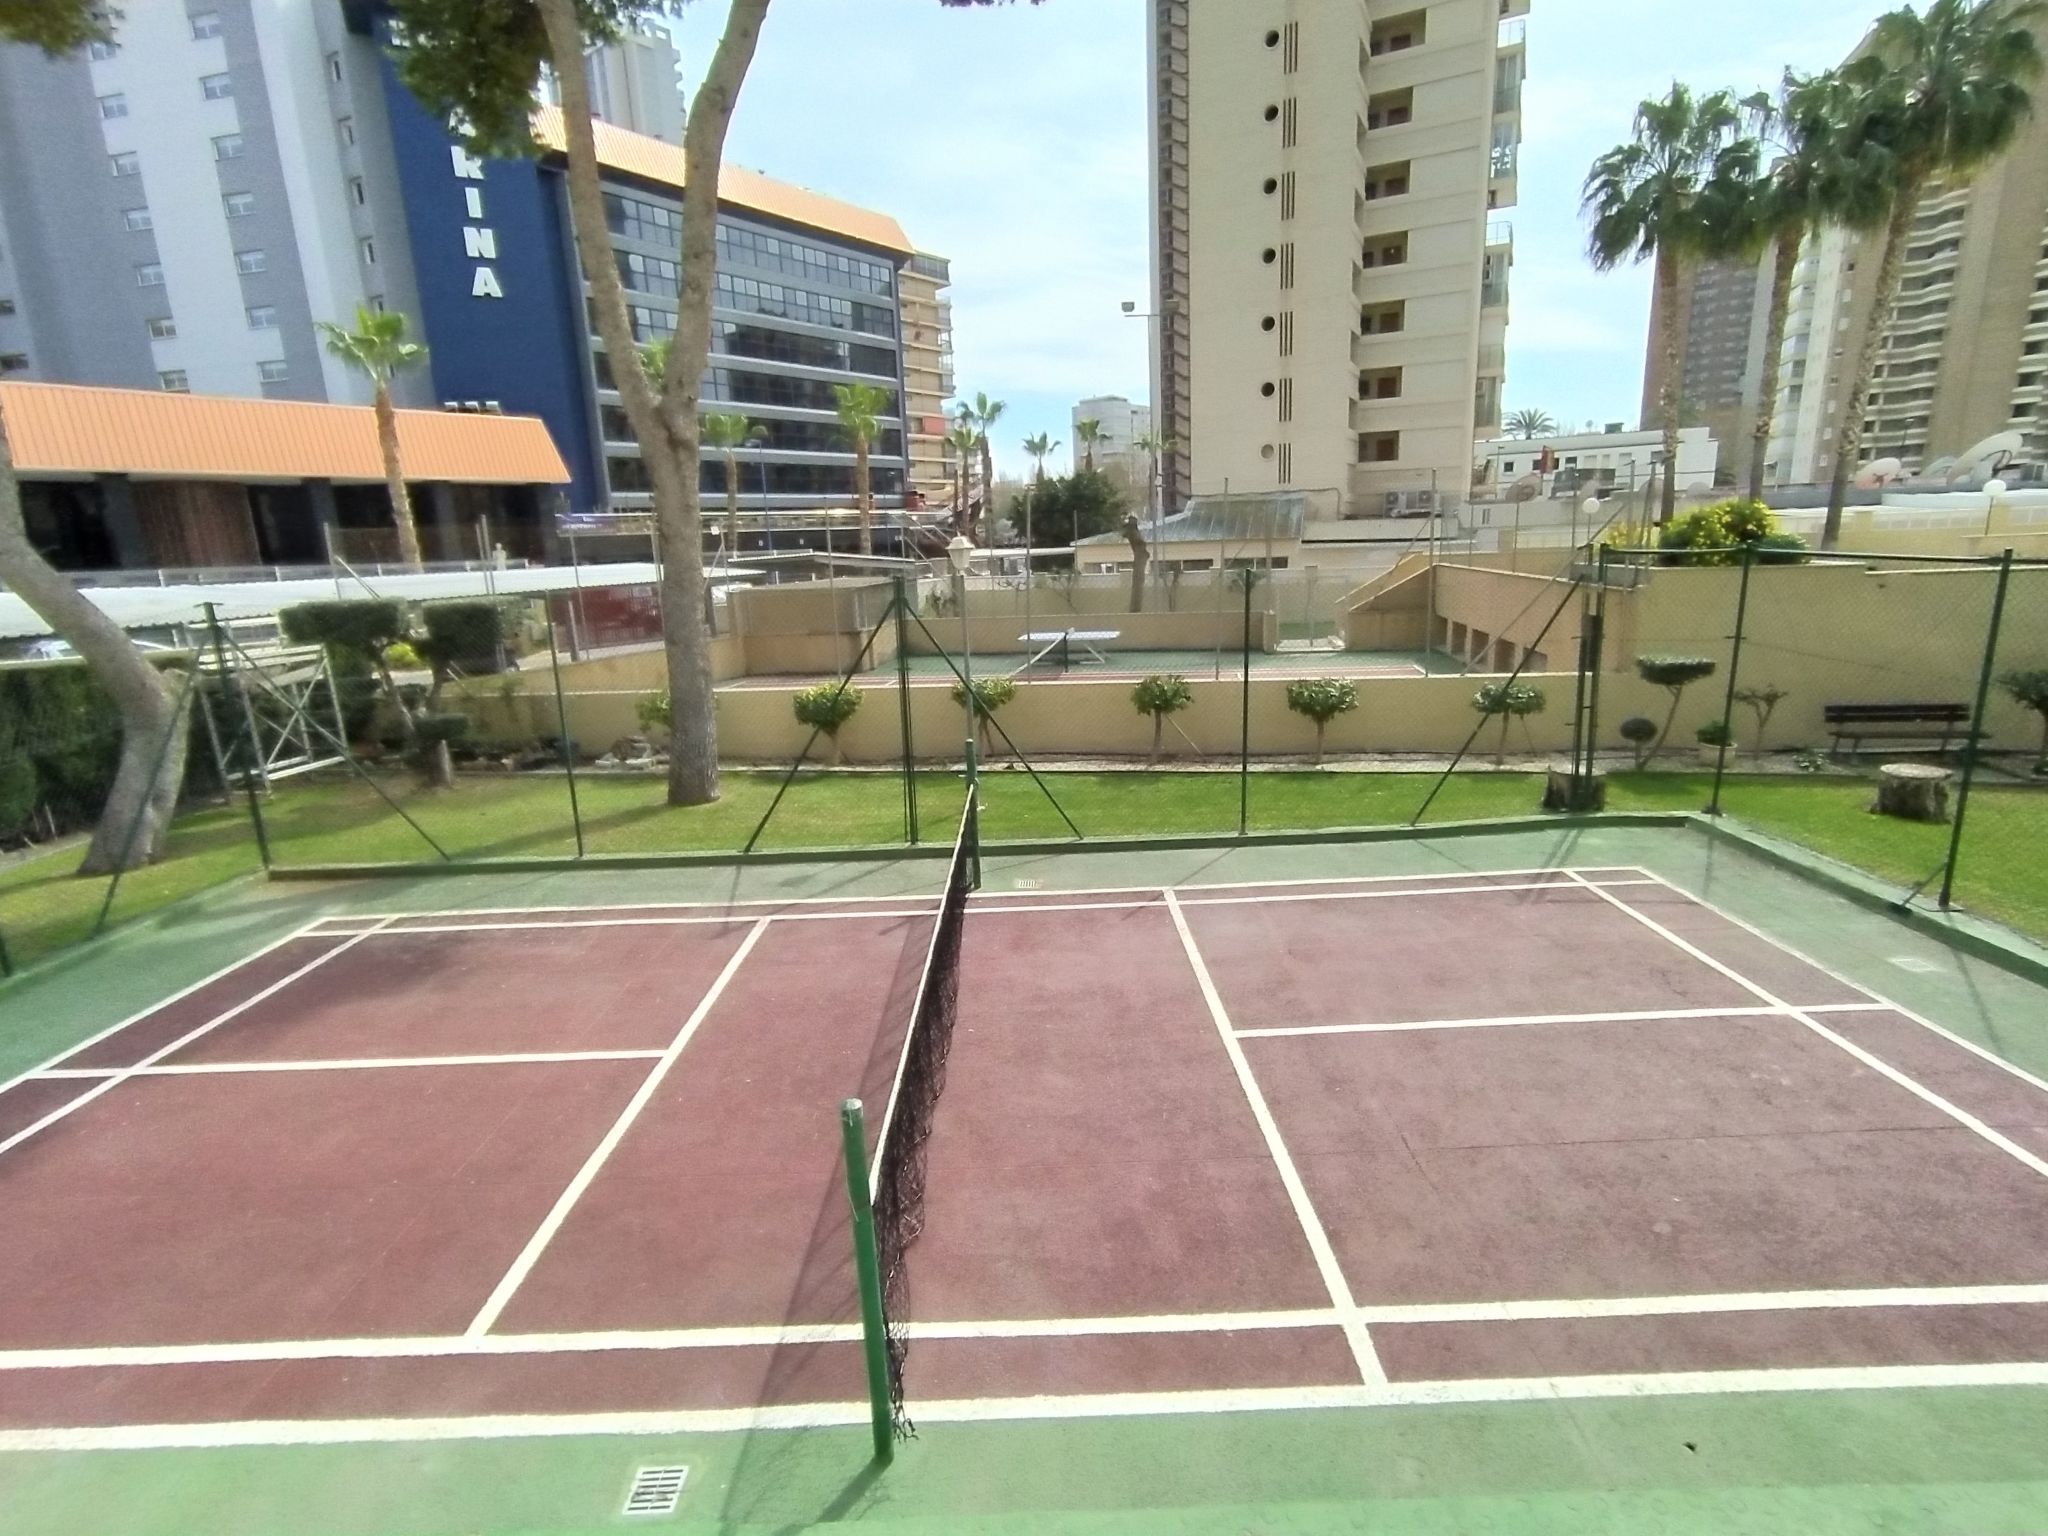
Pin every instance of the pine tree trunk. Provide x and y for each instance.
(863, 494)
(667, 424)
(394, 479)
(1784, 268)
(1849, 438)
(1672, 343)
(137, 815)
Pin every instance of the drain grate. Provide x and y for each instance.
(656, 1490)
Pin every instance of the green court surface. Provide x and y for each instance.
(1858, 1450)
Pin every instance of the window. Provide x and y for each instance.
(113, 106)
(250, 262)
(217, 87)
(376, 303)
(173, 380)
(273, 371)
(124, 164)
(163, 328)
(1378, 447)
(649, 274)
(358, 191)
(13, 362)
(239, 205)
(631, 219)
(137, 218)
(262, 317)
(149, 274)
(793, 258)
(368, 248)
(334, 67)
(99, 48)
(228, 147)
(205, 24)
(6, 306)
(1386, 181)
(347, 128)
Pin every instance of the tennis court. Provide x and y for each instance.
(1482, 1135)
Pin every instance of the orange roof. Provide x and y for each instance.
(635, 154)
(70, 429)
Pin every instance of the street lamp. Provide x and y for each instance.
(1591, 507)
(1993, 489)
(1155, 500)
(958, 553)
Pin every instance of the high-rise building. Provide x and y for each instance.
(1724, 307)
(1122, 424)
(927, 371)
(178, 207)
(633, 81)
(1331, 279)
(1965, 347)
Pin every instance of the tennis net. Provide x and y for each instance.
(896, 1178)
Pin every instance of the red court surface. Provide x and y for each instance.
(1465, 1137)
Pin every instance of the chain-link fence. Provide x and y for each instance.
(1214, 699)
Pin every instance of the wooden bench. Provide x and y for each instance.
(1896, 725)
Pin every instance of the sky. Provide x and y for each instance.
(1013, 140)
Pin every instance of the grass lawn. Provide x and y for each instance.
(43, 907)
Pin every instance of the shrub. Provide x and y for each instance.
(656, 712)
(990, 695)
(357, 637)
(1511, 701)
(1715, 733)
(461, 638)
(827, 707)
(1639, 731)
(2029, 687)
(1161, 695)
(1322, 699)
(1782, 549)
(1674, 674)
(399, 656)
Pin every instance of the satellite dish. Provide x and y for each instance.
(1528, 488)
(1879, 472)
(1988, 457)
(1937, 470)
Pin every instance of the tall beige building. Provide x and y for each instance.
(1331, 274)
(927, 372)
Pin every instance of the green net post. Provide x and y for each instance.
(867, 1265)
(973, 760)
(6, 960)
(1596, 652)
(1734, 671)
(901, 609)
(562, 725)
(1244, 725)
(1974, 743)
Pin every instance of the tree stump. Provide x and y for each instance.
(1587, 792)
(1913, 791)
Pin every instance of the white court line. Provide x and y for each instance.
(106, 1085)
(262, 1432)
(1919, 1090)
(776, 1336)
(2012, 1069)
(566, 1201)
(346, 1064)
(1368, 1359)
(305, 930)
(1649, 1015)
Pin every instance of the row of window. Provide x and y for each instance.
(736, 386)
(174, 381)
(751, 296)
(211, 88)
(150, 274)
(740, 340)
(796, 258)
(629, 476)
(204, 24)
(649, 274)
(632, 219)
(781, 436)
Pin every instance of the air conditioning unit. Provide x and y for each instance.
(1413, 504)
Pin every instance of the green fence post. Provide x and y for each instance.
(867, 1264)
(901, 610)
(1976, 737)
(562, 725)
(6, 960)
(1596, 648)
(1244, 729)
(1734, 667)
(973, 761)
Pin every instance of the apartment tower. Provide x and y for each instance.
(1724, 307)
(1331, 288)
(927, 371)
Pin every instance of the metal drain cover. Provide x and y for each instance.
(656, 1491)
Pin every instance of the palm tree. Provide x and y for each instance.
(1531, 423)
(1644, 199)
(1038, 447)
(1087, 433)
(377, 348)
(986, 413)
(1939, 97)
(861, 407)
(725, 431)
(963, 440)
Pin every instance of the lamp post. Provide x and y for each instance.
(1591, 507)
(1993, 489)
(958, 553)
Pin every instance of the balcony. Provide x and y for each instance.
(1514, 32)
(1499, 232)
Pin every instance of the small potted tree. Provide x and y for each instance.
(1321, 700)
(990, 695)
(2030, 688)
(1674, 674)
(1511, 701)
(1639, 731)
(1159, 696)
(827, 707)
(1714, 738)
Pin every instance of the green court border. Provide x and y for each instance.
(1957, 1459)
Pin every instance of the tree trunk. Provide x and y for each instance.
(137, 816)
(1140, 558)
(1158, 738)
(960, 494)
(988, 494)
(1784, 268)
(732, 507)
(394, 479)
(1849, 437)
(1671, 342)
(863, 494)
(667, 425)
(1321, 728)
